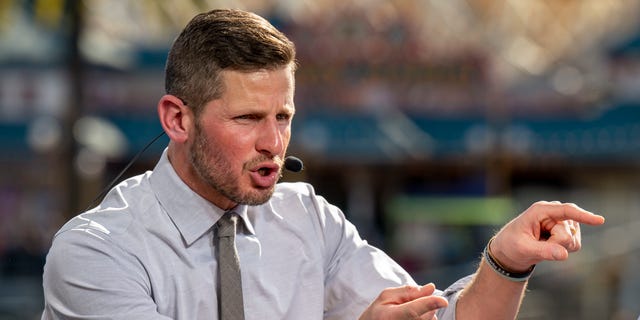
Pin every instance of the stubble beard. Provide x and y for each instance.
(215, 171)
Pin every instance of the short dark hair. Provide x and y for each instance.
(222, 39)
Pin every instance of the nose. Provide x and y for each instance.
(271, 138)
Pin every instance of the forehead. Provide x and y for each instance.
(258, 83)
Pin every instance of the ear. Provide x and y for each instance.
(176, 118)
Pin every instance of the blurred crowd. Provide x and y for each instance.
(408, 62)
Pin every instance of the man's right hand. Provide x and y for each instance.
(406, 302)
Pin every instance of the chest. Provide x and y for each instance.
(281, 279)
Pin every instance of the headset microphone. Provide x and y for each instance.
(293, 164)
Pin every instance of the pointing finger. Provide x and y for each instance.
(570, 211)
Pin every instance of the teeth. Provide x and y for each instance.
(263, 171)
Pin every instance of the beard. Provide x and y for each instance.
(214, 169)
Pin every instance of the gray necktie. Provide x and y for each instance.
(230, 302)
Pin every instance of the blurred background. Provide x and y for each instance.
(430, 123)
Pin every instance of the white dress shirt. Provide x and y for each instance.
(147, 252)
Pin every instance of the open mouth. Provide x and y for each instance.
(265, 171)
(265, 176)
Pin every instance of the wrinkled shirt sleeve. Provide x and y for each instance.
(356, 272)
(451, 294)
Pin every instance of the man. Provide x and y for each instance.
(150, 250)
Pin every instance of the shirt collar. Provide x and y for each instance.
(192, 214)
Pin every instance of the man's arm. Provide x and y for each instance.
(490, 296)
(545, 231)
(87, 277)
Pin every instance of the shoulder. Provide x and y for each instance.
(302, 193)
(120, 208)
(300, 199)
(288, 189)
(89, 241)
(105, 237)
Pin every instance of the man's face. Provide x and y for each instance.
(240, 139)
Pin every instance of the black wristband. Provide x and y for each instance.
(495, 265)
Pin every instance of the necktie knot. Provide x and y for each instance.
(227, 225)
